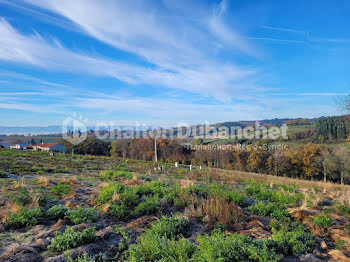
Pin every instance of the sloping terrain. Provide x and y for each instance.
(85, 208)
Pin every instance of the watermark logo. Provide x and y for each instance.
(74, 129)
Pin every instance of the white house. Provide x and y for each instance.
(53, 147)
(5, 144)
(19, 145)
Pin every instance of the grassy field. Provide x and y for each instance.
(86, 208)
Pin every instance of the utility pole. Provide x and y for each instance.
(155, 150)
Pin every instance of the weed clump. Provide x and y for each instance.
(57, 211)
(149, 206)
(112, 175)
(324, 221)
(81, 215)
(106, 193)
(61, 189)
(71, 239)
(169, 227)
(219, 247)
(22, 197)
(120, 212)
(269, 209)
(154, 248)
(24, 218)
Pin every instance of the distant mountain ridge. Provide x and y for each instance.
(57, 129)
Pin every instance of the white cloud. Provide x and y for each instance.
(179, 51)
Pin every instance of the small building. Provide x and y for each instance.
(19, 145)
(53, 147)
(5, 144)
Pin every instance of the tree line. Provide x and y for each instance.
(309, 161)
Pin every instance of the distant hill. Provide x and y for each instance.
(57, 129)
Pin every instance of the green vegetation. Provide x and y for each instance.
(324, 221)
(120, 212)
(22, 197)
(81, 215)
(61, 189)
(169, 227)
(113, 175)
(173, 214)
(24, 218)
(268, 209)
(57, 211)
(154, 248)
(106, 193)
(149, 206)
(71, 239)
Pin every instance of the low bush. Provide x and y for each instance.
(46, 201)
(113, 175)
(81, 215)
(154, 248)
(120, 212)
(23, 218)
(262, 192)
(149, 206)
(57, 211)
(129, 197)
(106, 193)
(269, 209)
(72, 239)
(219, 247)
(61, 189)
(295, 242)
(324, 221)
(344, 209)
(169, 227)
(84, 258)
(22, 197)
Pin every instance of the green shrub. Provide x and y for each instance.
(262, 192)
(25, 217)
(268, 209)
(237, 198)
(169, 227)
(129, 197)
(84, 258)
(149, 206)
(340, 245)
(124, 242)
(22, 197)
(287, 188)
(57, 211)
(154, 248)
(324, 221)
(61, 189)
(109, 175)
(122, 167)
(81, 215)
(344, 209)
(295, 242)
(219, 247)
(72, 239)
(120, 212)
(46, 201)
(106, 193)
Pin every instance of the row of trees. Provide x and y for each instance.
(333, 128)
(309, 161)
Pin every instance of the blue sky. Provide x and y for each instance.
(164, 62)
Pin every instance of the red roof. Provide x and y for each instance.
(46, 145)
